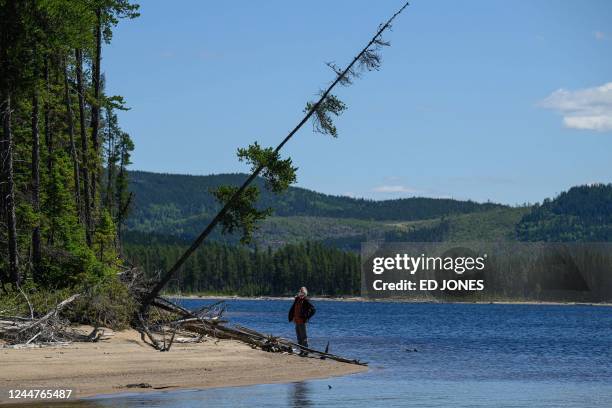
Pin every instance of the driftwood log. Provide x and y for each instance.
(208, 321)
(49, 329)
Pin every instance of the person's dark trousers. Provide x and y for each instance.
(300, 332)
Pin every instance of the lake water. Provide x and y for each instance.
(467, 355)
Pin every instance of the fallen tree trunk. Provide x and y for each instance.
(214, 327)
(48, 329)
(52, 313)
(159, 332)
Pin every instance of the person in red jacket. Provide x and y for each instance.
(301, 311)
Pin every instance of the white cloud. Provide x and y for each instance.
(394, 189)
(600, 123)
(588, 108)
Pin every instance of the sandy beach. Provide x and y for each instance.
(109, 366)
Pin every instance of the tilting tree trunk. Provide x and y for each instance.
(365, 56)
(84, 147)
(8, 180)
(73, 151)
(36, 240)
(95, 107)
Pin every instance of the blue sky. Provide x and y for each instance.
(486, 100)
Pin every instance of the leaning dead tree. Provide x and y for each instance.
(237, 210)
(239, 213)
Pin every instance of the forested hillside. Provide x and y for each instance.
(582, 213)
(180, 204)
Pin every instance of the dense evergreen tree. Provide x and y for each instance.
(54, 229)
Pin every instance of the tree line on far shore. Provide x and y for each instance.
(226, 269)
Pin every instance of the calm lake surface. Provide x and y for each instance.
(467, 355)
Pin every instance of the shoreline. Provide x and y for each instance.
(391, 300)
(114, 366)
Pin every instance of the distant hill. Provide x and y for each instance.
(582, 213)
(180, 205)
(177, 207)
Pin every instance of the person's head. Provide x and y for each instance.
(303, 292)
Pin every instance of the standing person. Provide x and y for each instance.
(301, 311)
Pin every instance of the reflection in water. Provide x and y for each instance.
(300, 395)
